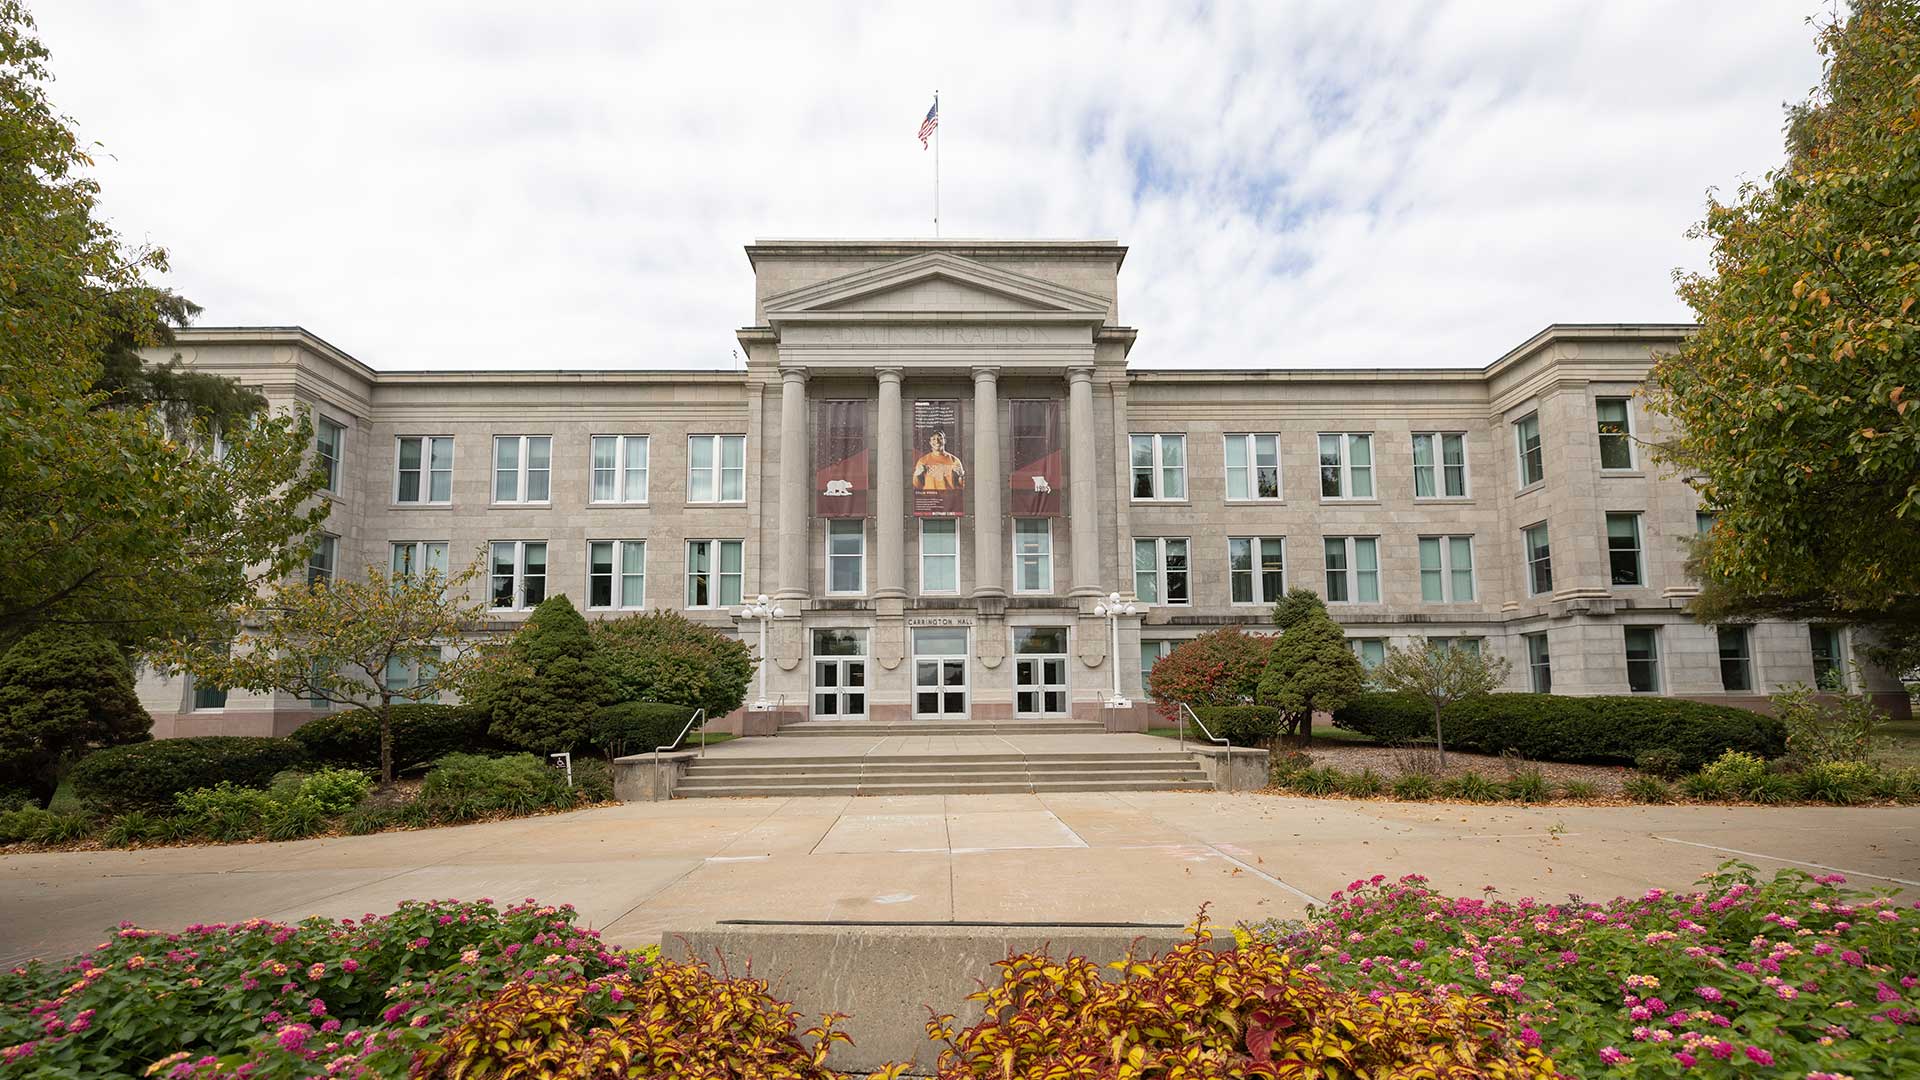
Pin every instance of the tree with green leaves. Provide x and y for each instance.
(1311, 668)
(666, 658)
(1441, 671)
(63, 693)
(115, 517)
(544, 685)
(1792, 402)
(387, 639)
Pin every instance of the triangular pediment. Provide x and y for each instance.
(933, 286)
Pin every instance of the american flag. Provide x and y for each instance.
(932, 121)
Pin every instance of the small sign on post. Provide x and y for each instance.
(563, 761)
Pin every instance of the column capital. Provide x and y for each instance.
(793, 373)
(890, 374)
(1080, 375)
(986, 373)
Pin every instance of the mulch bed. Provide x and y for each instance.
(1388, 762)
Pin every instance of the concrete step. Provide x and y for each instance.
(704, 780)
(1003, 787)
(938, 761)
(827, 729)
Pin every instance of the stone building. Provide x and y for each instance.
(938, 465)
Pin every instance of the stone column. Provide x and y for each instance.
(889, 558)
(1083, 499)
(988, 485)
(795, 487)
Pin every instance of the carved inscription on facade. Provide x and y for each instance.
(926, 335)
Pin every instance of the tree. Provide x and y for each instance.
(543, 687)
(1793, 399)
(112, 519)
(1442, 673)
(63, 693)
(665, 657)
(1221, 667)
(1311, 668)
(366, 644)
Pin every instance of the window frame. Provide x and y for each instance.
(520, 576)
(1359, 646)
(1439, 467)
(1533, 567)
(1345, 466)
(717, 470)
(523, 471)
(621, 470)
(860, 557)
(1652, 658)
(1624, 435)
(954, 524)
(325, 568)
(1539, 662)
(1256, 572)
(425, 469)
(1157, 468)
(1840, 666)
(1538, 454)
(1250, 440)
(1744, 657)
(419, 557)
(617, 575)
(1160, 575)
(1350, 570)
(1447, 569)
(1043, 559)
(334, 461)
(714, 572)
(1639, 551)
(193, 697)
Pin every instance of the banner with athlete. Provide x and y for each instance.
(939, 474)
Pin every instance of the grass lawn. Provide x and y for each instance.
(1901, 748)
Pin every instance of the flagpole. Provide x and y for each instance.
(936, 166)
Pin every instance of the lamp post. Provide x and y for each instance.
(1115, 609)
(762, 611)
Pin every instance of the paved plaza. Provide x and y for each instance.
(642, 869)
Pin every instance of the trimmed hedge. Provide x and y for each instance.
(422, 734)
(636, 727)
(1552, 727)
(146, 776)
(1242, 725)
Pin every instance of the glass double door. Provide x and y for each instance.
(839, 673)
(940, 656)
(1040, 671)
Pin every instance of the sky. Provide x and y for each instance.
(569, 185)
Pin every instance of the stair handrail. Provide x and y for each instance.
(1186, 711)
(698, 714)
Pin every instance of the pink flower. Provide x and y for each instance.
(330, 1026)
(293, 1037)
(1710, 994)
(1758, 1056)
(82, 1022)
(1686, 1060)
(349, 966)
(1612, 1056)
(317, 1008)
(317, 971)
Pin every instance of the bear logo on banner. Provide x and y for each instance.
(840, 458)
(1034, 481)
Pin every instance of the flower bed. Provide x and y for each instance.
(1792, 977)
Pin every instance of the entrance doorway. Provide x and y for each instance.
(940, 672)
(1039, 671)
(840, 673)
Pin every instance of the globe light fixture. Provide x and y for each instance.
(762, 611)
(1114, 609)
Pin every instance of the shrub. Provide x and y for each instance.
(592, 781)
(1579, 789)
(1661, 762)
(134, 827)
(636, 727)
(422, 734)
(364, 820)
(1734, 774)
(1843, 727)
(1840, 782)
(1324, 780)
(663, 656)
(1311, 667)
(1285, 763)
(1388, 718)
(147, 776)
(1470, 786)
(467, 786)
(553, 685)
(336, 791)
(1414, 786)
(225, 812)
(63, 693)
(1242, 725)
(1646, 789)
(1194, 1012)
(1221, 667)
(1528, 786)
(1364, 784)
(1549, 727)
(1774, 788)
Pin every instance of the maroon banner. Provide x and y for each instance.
(1035, 480)
(939, 472)
(840, 456)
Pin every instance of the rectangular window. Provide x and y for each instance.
(1446, 569)
(847, 555)
(423, 469)
(1160, 571)
(1032, 555)
(329, 444)
(939, 555)
(1623, 549)
(617, 574)
(1346, 466)
(1256, 568)
(1616, 433)
(1353, 569)
(321, 563)
(1643, 659)
(716, 574)
(1736, 659)
(208, 697)
(1253, 467)
(1371, 650)
(716, 468)
(1159, 466)
(1539, 663)
(1539, 561)
(405, 675)
(1829, 657)
(1442, 474)
(1703, 521)
(1151, 650)
(522, 468)
(619, 469)
(517, 573)
(1533, 462)
(414, 558)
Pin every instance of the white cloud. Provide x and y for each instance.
(1300, 185)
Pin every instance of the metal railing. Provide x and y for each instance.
(698, 715)
(1187, 711)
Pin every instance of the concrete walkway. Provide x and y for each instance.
(642, 869)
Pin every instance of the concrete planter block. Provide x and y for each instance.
(643, 778)
(1236, 768)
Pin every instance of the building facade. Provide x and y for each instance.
(938, 465)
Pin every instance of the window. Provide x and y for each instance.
(1371, 650)
(1159, 466)
(1353, 569)
(1703, 521)
(1160, 570)
(1444, 477)
(1533, 465)
(1253, 466)
(1623, 548)
(1032, 555)
(412, 558)
(522, 468)
(939, 555)
(1263, 582)
(716, 468)
(207, 696)
(317, 673)
(423, 469)
(1539, 663)
(1446, 569)
(716, 573)
(619, 469)
(1151, 650)
(617, 574)
(1643, 659)
(320, 564)
(1616, 433)
(1736, 659)
(847, 555)
(1346, 466)
(1539, 561)
(518, 573)
(329, 443)
(402, 674)
(1465, 644)
(1829, 657)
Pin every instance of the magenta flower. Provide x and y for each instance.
(1758, 1056)
(1612, 1056)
